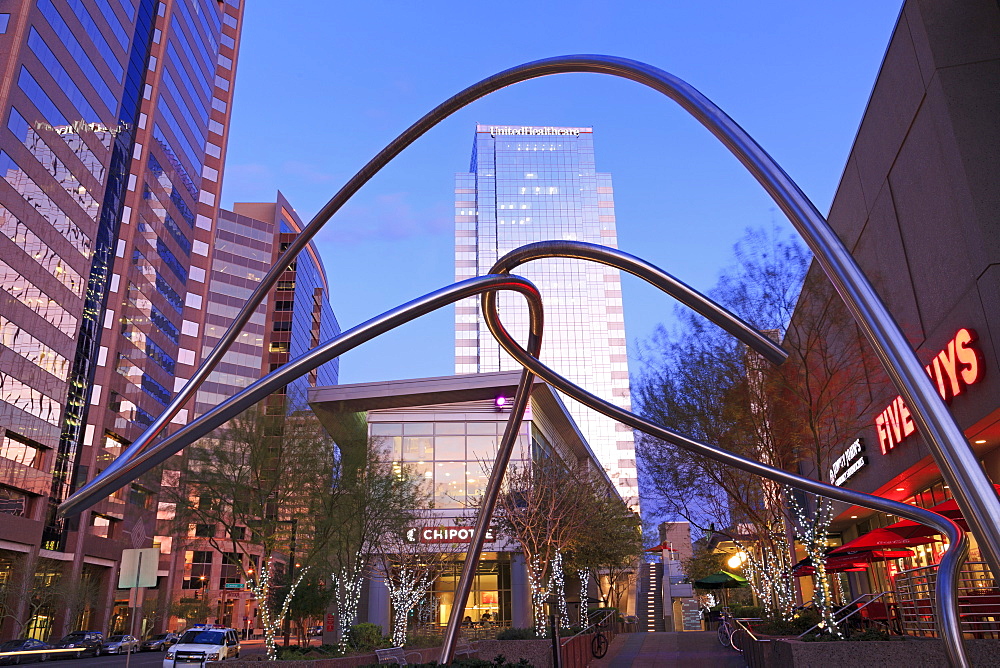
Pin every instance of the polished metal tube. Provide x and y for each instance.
(948, 570)
(954, 456)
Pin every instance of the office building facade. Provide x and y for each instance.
(294, 317)
(528, 184)
(116, 119)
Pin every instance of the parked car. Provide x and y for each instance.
(88, 642)
(203, 643)
(23, 645)
(316, 630)
(120, 645)
(160, 643)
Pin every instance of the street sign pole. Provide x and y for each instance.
(135, 610)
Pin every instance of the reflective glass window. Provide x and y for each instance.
(14, 337)
(62, 78)
(36, 197)
(29, 400)
(449, 448)
(155, 390)
(97, 37)
(56, 168)
(22, 452)
(40, 99)
(164, 324)
(39, 251)
(168, 292)
(31, 296)
(171, 260)
(76, 50)
(418, 448)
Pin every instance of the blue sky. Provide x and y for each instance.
(321, 89)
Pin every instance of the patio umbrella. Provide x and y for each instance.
(908, 532)
(855, 560)
(904, 533)
(721, 580)
(662, 546)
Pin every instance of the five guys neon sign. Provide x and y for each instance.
(952, 370)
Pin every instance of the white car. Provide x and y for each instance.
(201, 644)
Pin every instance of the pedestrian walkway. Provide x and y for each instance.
(651, 650)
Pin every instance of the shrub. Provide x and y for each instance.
(517, 634)
(804, 621)
(366, 637)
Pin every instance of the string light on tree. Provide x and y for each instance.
(406, 589)
(261, 589)
(557, 585)
(812, 529)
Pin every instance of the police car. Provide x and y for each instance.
(202, 643)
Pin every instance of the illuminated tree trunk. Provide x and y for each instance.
(272, 623)
(557, 586)
(539, 594)
(405, 591)
(347, 596)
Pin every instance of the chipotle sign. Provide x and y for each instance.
(952, 370)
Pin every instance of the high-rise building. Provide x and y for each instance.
(116, 115)
(528, 184)
(294, 317)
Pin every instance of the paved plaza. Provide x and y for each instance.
(650, 650)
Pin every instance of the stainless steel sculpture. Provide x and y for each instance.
(954, 457)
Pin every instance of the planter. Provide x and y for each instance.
(538, 653)
(909, 652)
(427, 655)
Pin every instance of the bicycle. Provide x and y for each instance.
(599, 645)
(727, 629)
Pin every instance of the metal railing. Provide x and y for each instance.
(577, 650)
(848, 611)
(915, 593)
(756, 651)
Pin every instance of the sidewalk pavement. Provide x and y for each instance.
(694, 649)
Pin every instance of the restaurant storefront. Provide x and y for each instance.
(446, 431)
(917, 207)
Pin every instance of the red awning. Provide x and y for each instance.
(855, 560)
(662, 546)
(907, 532)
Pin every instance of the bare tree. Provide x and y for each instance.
(701, 382)
(371, 499)
(410, 568)
(607, 549)
(544, 507)
(251, 491)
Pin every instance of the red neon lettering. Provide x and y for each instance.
(884, 441)
(905, 418)
(897, 428)
(937, 376)
(948, 361)
(968, 355)
(952, 370)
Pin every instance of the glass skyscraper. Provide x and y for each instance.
(528, 184)
(114, 127)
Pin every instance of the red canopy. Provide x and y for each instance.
(855, 560)
(907, 532)
(662, 546)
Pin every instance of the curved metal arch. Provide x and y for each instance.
(951, 451)
(948, 569)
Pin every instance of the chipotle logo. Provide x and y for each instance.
(952, 370)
